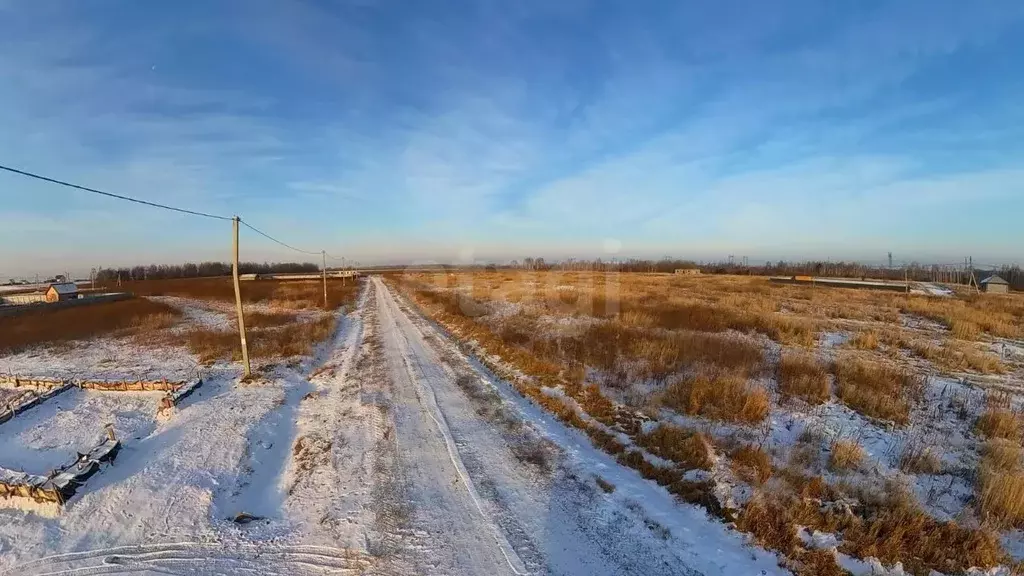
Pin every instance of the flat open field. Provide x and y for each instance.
(885, 425)
(535, 423)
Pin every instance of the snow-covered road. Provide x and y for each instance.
(393, 452)
(480, 507)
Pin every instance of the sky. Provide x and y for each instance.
(480, 130)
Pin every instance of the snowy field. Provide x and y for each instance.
(926, 445)
(387, 451)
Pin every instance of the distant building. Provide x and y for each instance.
(688, 271)
(994, 285)
(61, 292)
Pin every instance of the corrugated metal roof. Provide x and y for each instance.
(65, 288)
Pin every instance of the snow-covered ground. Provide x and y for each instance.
(375, 456)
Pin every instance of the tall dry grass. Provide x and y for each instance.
(1000, 483)
(895, 528)
(686, 447)
(289, 294)
(265, 343)
(803, 376)
(967, 318)
(877, 390)
(44, 325)
(845, 455)
(1000, 422)
(718, 395)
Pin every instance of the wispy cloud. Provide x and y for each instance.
(488, 127)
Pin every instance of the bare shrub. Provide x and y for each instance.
(804, 377)
(718, 395)
(845, 455)
(687, 447)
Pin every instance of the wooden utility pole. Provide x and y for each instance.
(238, 301)
(323, 253)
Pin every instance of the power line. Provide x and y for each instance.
(269, 237)
(111, 195)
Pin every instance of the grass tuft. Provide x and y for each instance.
(804, 377)
(846, 455)
(718, 395)
(877, 390)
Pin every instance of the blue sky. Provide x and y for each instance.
(480, 129)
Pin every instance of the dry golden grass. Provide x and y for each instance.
(999, 422)
(1000, 483)
(289, 294)
(686, 447)
(1003, 455)
(890, 527)
(1000, 496)
(967, 317)
(816, 563)
(958, 356)
(868, 340)
(48, 325)
(803, 376)
(900, 531)
(268, 319)
(296, 339)
(718, 395)
(877, 390)
(771, 524)
(846, 455)
(752, 464)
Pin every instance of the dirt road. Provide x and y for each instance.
(394, 453)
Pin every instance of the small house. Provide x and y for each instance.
(61, 292)
(994, 285)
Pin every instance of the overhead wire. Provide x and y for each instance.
(111, 194)
(269, 237)
(153, 204)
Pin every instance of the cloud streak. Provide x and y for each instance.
(492, 127)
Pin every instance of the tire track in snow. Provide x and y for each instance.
(202, 557)
(417, 375)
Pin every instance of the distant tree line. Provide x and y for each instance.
(201, 270)
(914, 271)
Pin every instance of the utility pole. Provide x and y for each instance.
(323, 253)
(238, 300)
